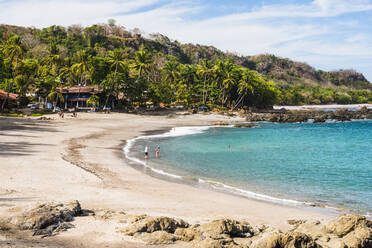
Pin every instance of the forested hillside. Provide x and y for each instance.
(133, 69)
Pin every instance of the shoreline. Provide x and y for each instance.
(209, 184)
(325, 106)
(79, 159)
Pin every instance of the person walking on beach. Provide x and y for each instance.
(146, 152)
(157, 151)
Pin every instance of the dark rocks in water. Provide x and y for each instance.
(320, 120)
(220, 123)
(245, 125)
(318, 116)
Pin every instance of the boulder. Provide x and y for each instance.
(232, 228)
(186, 234)
(213, 243)
(47, 218)
(297, 240)
(245, 125)
(346, 223)
(220, 123)
(158, 238)
(208, 243)
(361, 237)
(269, 240)
(153, 224)
(314, 229)
(286, 240)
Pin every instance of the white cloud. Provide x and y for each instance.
(42, 13)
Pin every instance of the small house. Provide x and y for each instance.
(12, 99)
(77, 96)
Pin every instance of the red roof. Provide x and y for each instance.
(3, 95)
(82, 89)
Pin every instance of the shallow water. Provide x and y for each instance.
(327, 163)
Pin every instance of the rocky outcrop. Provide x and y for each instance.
(153, 224)
(351, 231)
(306, 115)
(347, 231)
(245, 125)
(157, 238)
(286, 240)
(232, 228)
(46, 219)
(220, 123)
(355, 231)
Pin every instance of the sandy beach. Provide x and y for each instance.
(82, 159)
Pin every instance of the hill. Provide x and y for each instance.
(297, 82)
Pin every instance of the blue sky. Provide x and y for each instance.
(327, 34)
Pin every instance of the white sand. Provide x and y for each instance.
(81, 159)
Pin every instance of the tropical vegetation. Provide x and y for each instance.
(132, 70)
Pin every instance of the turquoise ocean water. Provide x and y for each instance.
(328, 163)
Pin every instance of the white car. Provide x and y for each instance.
(33, 106)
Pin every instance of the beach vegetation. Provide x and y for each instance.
(132, 70)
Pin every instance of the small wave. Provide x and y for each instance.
(250, 194)
(174, 132)
(179, 131)
(144, 163)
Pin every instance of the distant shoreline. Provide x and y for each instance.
(325, 107)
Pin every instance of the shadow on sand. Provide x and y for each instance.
(21, 148)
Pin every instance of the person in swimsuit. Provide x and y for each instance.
(157, 151)
(146, 152)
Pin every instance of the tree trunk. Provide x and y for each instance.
(11, 85)
(238, 102)
(107, 98)
(205, 80)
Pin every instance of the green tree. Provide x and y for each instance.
(14, 50)
(142, 62)
(205, 71)
(117, 63)
(81, 68)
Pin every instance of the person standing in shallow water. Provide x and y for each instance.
(146, 152)
(157, 151)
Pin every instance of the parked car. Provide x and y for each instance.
(33, 106)
(204, 108)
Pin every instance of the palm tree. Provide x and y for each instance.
(205, 70)
(27, 75)
(187, 74)
(246, 86)
(116, 60)
(13, 49)
(171, 72)
(81, 67)
(55, 94)
(142, 61)
(53, 61)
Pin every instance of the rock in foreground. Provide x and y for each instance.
(46, 219)
(347, 231)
